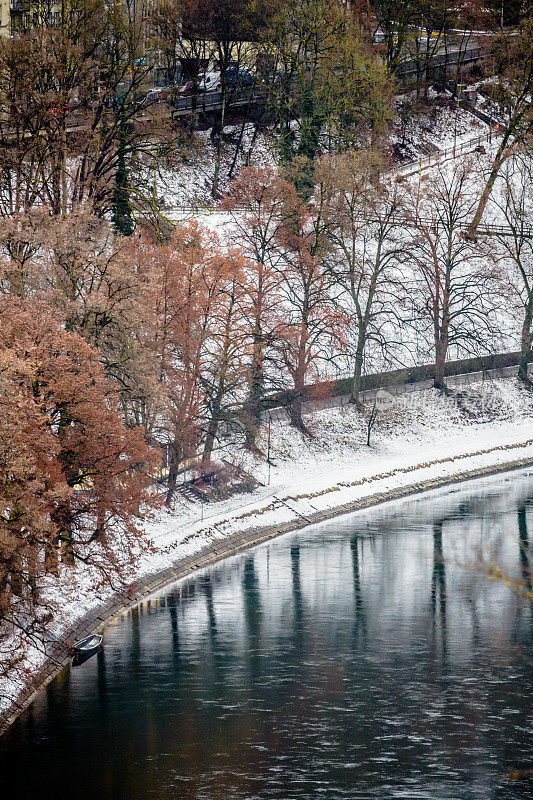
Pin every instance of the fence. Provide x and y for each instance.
(484, 229)
(430, 160)
(213, 100)
(413, 66)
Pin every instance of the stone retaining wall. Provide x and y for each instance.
(334, 400)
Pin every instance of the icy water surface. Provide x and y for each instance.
(357, 659)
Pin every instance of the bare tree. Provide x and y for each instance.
(513, 61)
(314, 324)
(515, 203)
(366, 247)
(70, 108)
(454, 283)
(257, 201)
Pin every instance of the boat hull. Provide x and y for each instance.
(84, 650)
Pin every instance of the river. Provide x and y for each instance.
(368, 657)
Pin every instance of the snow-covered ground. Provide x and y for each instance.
(431, 128)
(412, 347)
(419, 436)
(336, 466)
(190, 184)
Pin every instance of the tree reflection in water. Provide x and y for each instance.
(355, 661)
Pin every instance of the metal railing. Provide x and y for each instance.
(213, 100)
(413, 65)
(442, 155)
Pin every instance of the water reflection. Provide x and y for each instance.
(438, 590)
(359, 625)
(297, 595)
(358, 659)
(251, 596)
(523, 542)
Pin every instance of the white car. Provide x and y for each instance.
(156, 95)
(210, 82)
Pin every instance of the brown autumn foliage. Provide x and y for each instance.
(77, 266)
(179, 290)
(296, 325)
(70, 471)
(193, 335)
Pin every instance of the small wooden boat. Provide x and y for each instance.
(85, 649)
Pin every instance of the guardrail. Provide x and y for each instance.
(211, 100)
(412, 65)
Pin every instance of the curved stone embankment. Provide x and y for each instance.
(234, 544)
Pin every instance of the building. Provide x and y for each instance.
(5, 18)
(19, 15)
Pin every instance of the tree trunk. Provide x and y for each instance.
(237, 148)
(194, 106)
(100, 532)
(67, 550)
(295, 413)
(56, 185)
(15, 574)
(525, 348)
(370, 423)
(63, 156)
(212, 429)
(252, 406)
(295, 408)
(218, 159)
(357, 373)
(33, 567)
(62, 520)
(441, 349)
(173, 467)
(311, 127)
(503, 153)
(252, 144)
(51, 557)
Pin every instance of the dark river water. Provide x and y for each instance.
(361, 658)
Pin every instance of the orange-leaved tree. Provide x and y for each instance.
(74, 481)
(180, 290)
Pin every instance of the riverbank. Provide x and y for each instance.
(420, 444)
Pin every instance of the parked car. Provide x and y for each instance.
(156, 95)
(239, 77)
(210, 82)
(187, 87)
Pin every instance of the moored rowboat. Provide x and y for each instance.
(85, 649)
